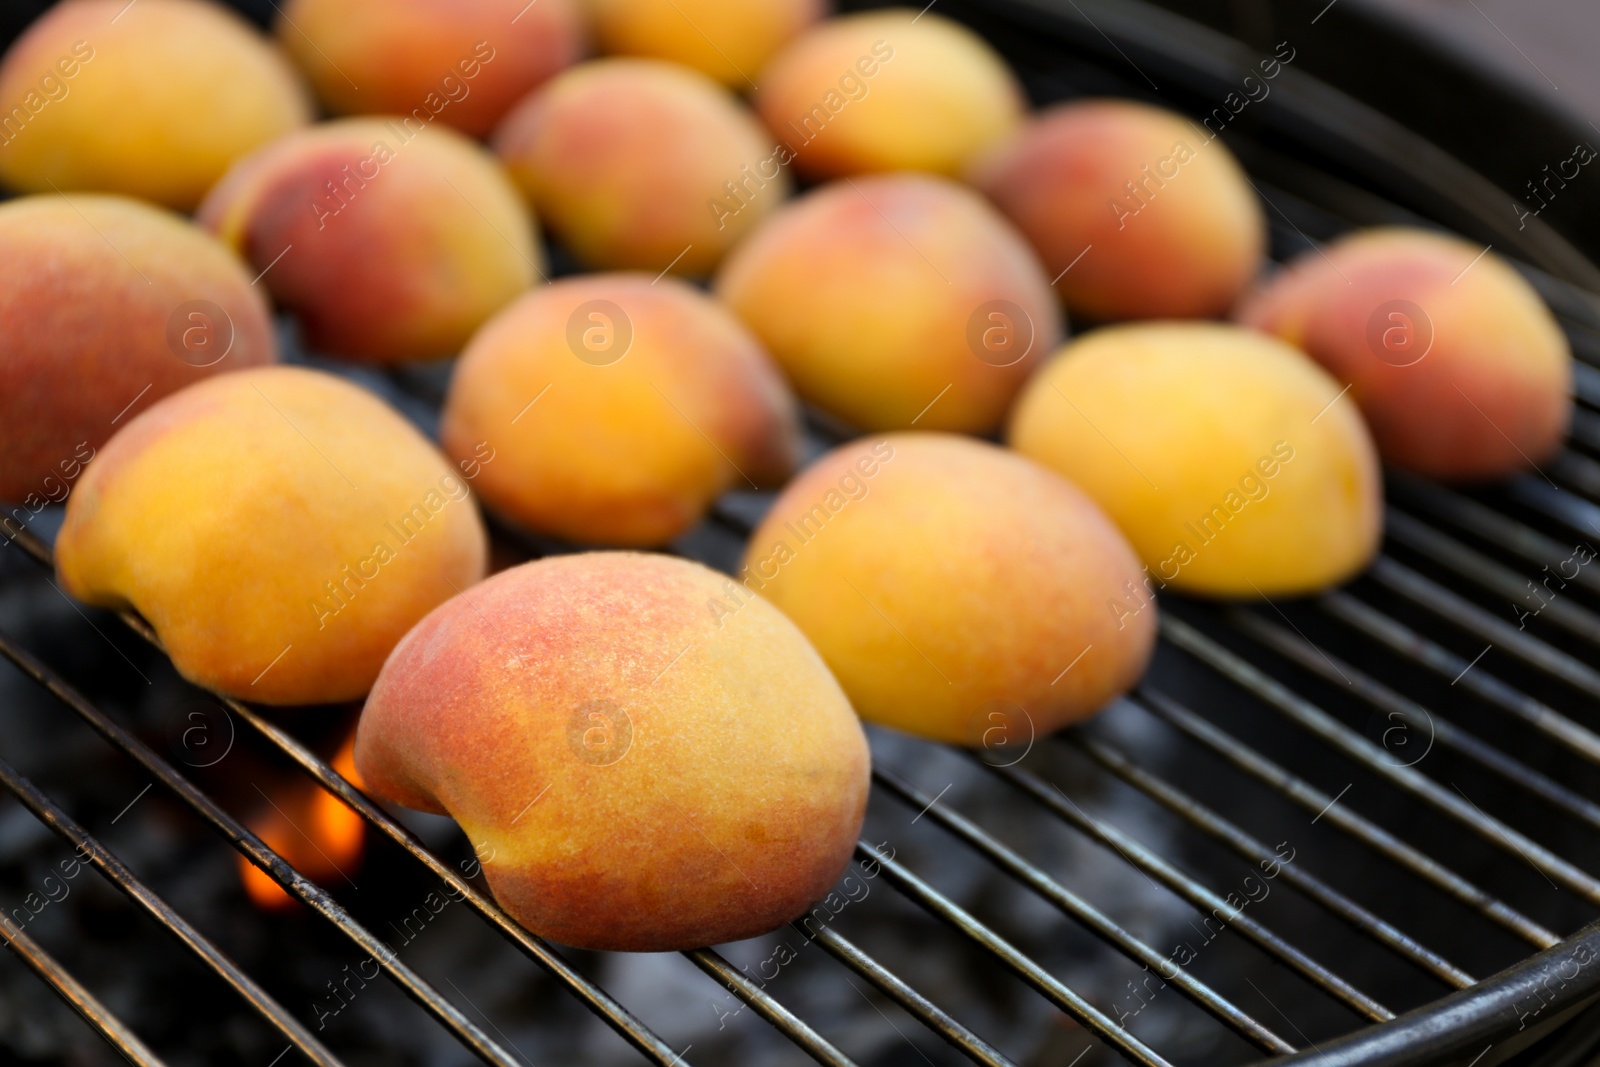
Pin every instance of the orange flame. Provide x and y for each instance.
(312, 829)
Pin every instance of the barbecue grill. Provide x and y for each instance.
(1355, 829)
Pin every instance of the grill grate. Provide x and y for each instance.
(1279, 687)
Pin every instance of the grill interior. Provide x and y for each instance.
(1313, 816)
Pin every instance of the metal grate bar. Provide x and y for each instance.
(1086, 914)
(1357, 826)
(1320, 724)
(1573, 512)
(927, 1012)
(1047, 985)
(1585, 382)
(1579, 740)
(1488, 524)
(1478, 568)
(1586, 346)
(1199, 815)
(1585, 429)
(85, 1003)
(1207, 902)
(784, 1020)
(1468, 616)
(1578, 470)
(1334, 669)
(252, 847)
(118, 873)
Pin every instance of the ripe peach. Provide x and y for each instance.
(391, 241)
(1152, 215)
(888, 90)
(640, 164)
(280, 528)
(153, 99)
(659, 400)
(729, 40)
(1228, 458)
(464, 62)
(1460, 369)
(896, 300)
(635, 772)
(957, 590)
(106, 306)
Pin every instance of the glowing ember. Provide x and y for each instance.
(312, 829)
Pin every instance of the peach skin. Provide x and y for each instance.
(1460, 369)
(886, 91)
(388, 240)
(1154, 218)
(958, 591)
(106, 306)
(1232, 462)
(644, 165)
(154, 99)
(461, 62)
(280, 528)
(658, 401)
(728, 40)
(634, 772)
(317, 216)
(896, 300)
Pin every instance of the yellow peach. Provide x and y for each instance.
(896, 300)
(280, 528)
(641, 164)
(462, 62)
(617, 409)
(1458, 366)
(885, 91)
(634, 771)
(154, 99)
(729, 40)
(1140, 212)
(389, 240)
(957, 590)
(1229, 459)
(106, 306)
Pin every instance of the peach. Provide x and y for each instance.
(659, 400)
(885, 91)
(153, 99)
(106, 306)
(280, 528)
(390, 240)
(895, 301)
(464, 62)
(640, 164)
(957, 590)
(1141, 213)
(634, 771)
(1460, 369)
(728, 40)
(1229, 459)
